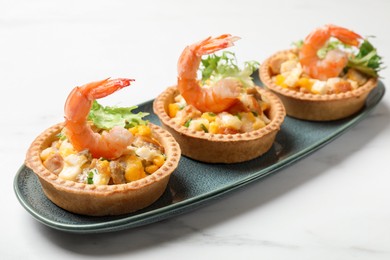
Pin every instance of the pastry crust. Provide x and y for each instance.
(221, 148)
(100, 200)
(316, 107)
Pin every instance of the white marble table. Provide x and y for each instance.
(334, 204)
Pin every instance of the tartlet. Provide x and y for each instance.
(316, 107)
(100, 200)
(221, 148)
(327, 76)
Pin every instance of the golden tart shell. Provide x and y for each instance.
(221, 148)
(316, 107)
(101, 200)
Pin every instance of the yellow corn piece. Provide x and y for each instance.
(305, 83)
(209, 116)
(151, 168)
(134, 169)
(134, 172)
(144, 130)
(133, 130)
(213, 128)
(279, 80)
(172, 109)
(159, 160)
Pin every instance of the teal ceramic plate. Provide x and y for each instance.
(194, 183)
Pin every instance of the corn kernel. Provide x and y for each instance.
(151, 168)
(159, 160)
(133, 130)
(305, 83)
(213, 128)
(279, 80)
(144, 130)
(172, 109)
(134, 171)
(209, 116)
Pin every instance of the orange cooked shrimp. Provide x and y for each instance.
(217, 98)
(334, 61)
(109, 145)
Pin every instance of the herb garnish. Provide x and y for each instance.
(215, 68)
(106, 117)
(187, 123)
(204, 128)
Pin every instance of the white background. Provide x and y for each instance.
(334, 204)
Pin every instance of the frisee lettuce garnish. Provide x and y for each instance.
(106, 117)
(215, 68)
(366, 60)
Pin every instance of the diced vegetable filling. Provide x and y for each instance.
(290, 75)
(143, 157)
(227, 122)
(363, 63)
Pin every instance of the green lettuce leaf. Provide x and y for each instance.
(215, 68)
(366, 60)
(106, 117)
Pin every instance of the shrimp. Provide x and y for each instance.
(109, 145)
(335, 60)
(217, 98)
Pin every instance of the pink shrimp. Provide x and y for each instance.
(109, 145)
(335, 60)
(217, 98)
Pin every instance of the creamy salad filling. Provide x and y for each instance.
(290, 74)
(221, 123)
(363, 63)
(143, 157)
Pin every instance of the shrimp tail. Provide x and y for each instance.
(211, 45)
(110, 144)
(346, 36)
(105, 87)
(80, 100)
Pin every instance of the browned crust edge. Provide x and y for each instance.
(221, 148)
